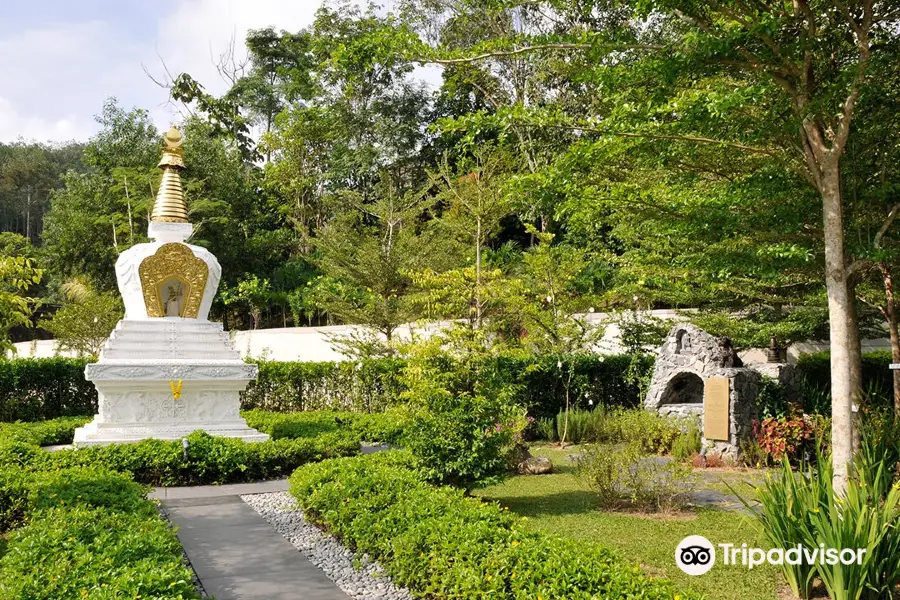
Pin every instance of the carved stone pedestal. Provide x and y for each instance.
(146, 363)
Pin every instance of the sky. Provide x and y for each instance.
(60, 59)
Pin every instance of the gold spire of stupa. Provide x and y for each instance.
(169, 206)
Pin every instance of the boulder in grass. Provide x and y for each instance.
(535, 465)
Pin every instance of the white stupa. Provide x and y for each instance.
(166, 370)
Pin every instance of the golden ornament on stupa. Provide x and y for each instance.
(170, 206)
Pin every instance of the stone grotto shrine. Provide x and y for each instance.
(700, 376)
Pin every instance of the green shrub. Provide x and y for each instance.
(687, 444)
(442, 544)
(625, 476)
(43, 433)
(85, 532)
(387, 427)
(656, 433)
(35, 389)
(464, 422)
(771, 399)
(816, 371)
(364, 386)
(581, 425)
(210, 460)
(43, 389)
(77, 552)
(545, 429)
(752, 454)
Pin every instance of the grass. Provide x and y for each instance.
(561, 504)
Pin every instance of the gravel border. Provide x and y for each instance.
(358, 576)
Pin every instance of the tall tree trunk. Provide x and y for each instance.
(840, 325)
(478, 306)
(890, 313)
(855, 350)
(839, 301)
(28, 219)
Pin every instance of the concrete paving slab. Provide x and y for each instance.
(237, 555)
(212, 491)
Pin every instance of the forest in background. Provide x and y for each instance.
(563, 165)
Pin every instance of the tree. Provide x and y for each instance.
(783, 81)
(368, 253)
(17, 275)
(475, 202)
(84, 323)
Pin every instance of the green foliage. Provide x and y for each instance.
(364, 386)
(641, 332)
(210, 460)
(771, 399)
(464, 420)
(251, 292)
(688, 444)
(44, 388)
(85, 532)
(438, 542)
(876, 378)
(753, 326)
(580, 425)
(626, 476)
(654, 433)
(805, 509)
(43, 433)
(387, 427)
(84, 323)
(70, 553)
(17, 275)
(878, 459)
(40, 389)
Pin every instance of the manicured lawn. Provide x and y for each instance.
(560, 503)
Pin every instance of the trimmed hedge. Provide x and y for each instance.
(39, 389)
(442, 544)
(35, 389)
(387, 427)
(85, 532)
(43, 433)
(297, 440)
(373, 385)
(366, 386)
(816, 369)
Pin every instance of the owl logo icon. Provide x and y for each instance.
(695, 555)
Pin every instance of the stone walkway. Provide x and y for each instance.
(235, 553)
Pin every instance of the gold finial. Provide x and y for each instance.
(169, 206)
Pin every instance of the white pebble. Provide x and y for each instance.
(368, 582)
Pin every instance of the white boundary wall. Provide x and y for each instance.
(310, 344)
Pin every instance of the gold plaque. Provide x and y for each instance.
(173, 281)
(716, 402)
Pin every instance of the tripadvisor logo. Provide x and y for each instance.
(696, 555)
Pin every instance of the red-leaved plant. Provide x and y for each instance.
(787, 436)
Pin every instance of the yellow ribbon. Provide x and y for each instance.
(176, 389)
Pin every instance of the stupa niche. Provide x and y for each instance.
(166, 370)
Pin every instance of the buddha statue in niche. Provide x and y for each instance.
(173, 297)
